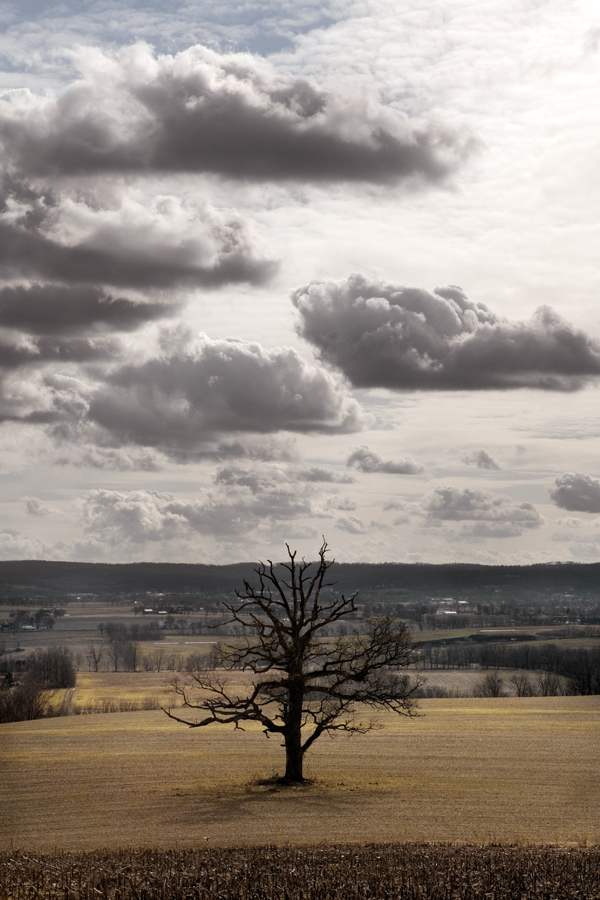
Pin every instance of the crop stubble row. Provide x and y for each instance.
(377, 872)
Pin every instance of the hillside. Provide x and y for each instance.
(23, 577)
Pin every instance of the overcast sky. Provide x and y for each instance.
(274, 270)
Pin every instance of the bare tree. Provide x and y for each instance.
(304, 685)
(550, 684)
(490, 686)
(115, 654)
(158, 658)
(522, 685)
(132, 655)
(94, 656)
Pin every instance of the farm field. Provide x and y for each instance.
(504, 770)
(95, 687)
(342, 872)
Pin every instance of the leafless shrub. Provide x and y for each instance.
(550, 684)
(490, 686)
(24, 702)
(523, 686)
(436, 692)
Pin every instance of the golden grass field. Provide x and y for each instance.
(93, 688)
(475, 770)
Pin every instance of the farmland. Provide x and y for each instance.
(473, 795)
(475, 770)
(344, 872)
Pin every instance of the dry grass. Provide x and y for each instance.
(466, 770)
(93, 688)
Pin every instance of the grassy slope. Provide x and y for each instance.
(466, 770)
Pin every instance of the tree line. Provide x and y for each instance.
(579, 666)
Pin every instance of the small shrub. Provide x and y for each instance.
(24, 702)
(491, 686)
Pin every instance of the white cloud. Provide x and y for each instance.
(16, 545)
(366, 460)
(493, 515)
(36, 507)
(242, 502)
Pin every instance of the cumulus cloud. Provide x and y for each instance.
(366, 460)
(385, 335)
(164, 244)
(351, 524)
(569, 522)
(480, 458)
(182, 403)
(323, 475)
(577, 492)
(492, 515)
(256, 479)
(142, 516)
(15, 545)
(36, 507)
(267, 477)
(52, 310)
(112, 459)
(230, 114)
(342, 503)
(27, 350)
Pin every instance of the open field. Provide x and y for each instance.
(550, 633)
(79, 627)
(523, 770)
(95, 687)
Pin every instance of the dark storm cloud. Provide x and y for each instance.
(51, 309)
(185, 401)
(386, 335)
(577, 492)
(47, 349)
(135, 247)
(229, 114)
(496, 515)
(366, 460)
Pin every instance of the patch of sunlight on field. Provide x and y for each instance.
(93, 688)
(465, 770)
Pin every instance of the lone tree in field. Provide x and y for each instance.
(306, 683)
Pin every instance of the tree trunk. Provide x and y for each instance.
(293, 739)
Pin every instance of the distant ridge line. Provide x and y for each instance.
(85, 577)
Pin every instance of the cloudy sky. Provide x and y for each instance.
(273, 270)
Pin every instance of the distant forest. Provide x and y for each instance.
(399, 581)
